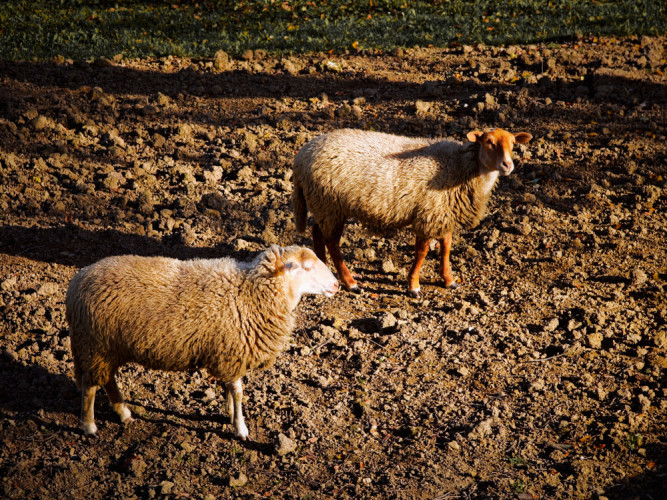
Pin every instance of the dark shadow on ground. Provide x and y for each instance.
(71, 245)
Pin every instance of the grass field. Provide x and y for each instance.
(79, 29)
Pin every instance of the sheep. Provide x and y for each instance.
(162, 313)
(387, 181)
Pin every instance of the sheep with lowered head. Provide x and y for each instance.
(387, 181)
(219, 314)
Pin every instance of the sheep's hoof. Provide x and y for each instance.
(354, 288)
(125, 415)
(452, 286)
(90, 431)
(242, 432)
(415, 294)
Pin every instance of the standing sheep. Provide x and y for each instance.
(168, 314)
(387, 181)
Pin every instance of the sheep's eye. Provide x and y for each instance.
(490, 142)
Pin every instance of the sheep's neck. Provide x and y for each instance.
(270, 321)
(487, 181)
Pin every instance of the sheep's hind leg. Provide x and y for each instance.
(88, 406)
(333, 245)
(421, 249)
(236, 389)
(117, 401)
(230, 402)
(445, 265)
(318, 244)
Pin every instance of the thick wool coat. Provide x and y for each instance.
(162, 313)
(387, 181)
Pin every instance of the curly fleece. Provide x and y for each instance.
(168, 314)
(387, 181)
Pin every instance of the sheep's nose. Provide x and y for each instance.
(335, 286)
(507, 165)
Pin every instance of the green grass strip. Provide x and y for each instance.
(78, 29)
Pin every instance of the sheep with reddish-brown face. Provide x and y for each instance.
(387, 181)
(218, 314)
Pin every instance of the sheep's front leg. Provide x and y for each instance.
(88, 406)
(421, 249)
(333, 245)
(235, 394)
(117, 401)
(445, 265)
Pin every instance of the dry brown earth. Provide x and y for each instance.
(541, 377)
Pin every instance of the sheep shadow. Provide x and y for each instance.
(28, 388)
(71, 245)
(33, 393)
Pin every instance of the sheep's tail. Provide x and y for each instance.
(299, 207)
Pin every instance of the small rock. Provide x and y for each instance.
(289, 67)
(388, 266)
(284, 445)
(397, 52)
(221, 60)
(238, 481)
(387, 321)
(166, 487)
(639, 277)
(184, 131)
(422, 107)
(482, 429)
(187, 447)
(158, 140)
(594, 340)
(136, 467)
(240, 244)
(248, 55)
(454, 446)
(40, 122)
(113, 181)
(463, 371)
(332, 66)
(162, 99)
(524, 228)
(537, 386)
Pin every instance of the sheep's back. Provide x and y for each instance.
(154, 311)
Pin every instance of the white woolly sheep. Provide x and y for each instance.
(218, 314)
(387, 181)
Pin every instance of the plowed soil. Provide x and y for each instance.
(541, 376)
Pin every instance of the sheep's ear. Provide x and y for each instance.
(522, 137)
(277, 260)
(474, 135)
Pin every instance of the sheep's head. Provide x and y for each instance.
(303, 273)
(495, 148)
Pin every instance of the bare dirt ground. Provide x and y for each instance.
(542, 376)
